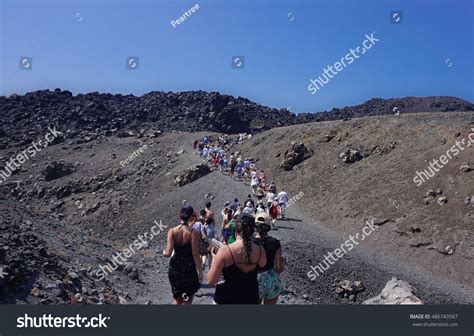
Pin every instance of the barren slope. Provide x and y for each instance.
(82, 219)
(342, 196)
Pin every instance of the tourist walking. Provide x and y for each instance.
(270, 284)
(185, 265)
(238, 263)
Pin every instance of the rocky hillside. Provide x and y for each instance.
(364, 169)
(70, 208)
(74, 206)
(41, 264)
(107, 114)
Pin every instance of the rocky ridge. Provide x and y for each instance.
(108, 114)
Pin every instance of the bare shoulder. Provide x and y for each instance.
(224, 252)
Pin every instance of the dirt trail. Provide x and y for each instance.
(304, 243)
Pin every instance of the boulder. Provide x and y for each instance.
(381, 221)
(433, 193)
(191, 174)
(131, 270)
(442, 200)
(57, 170)
(350, 156)
(468, 200)
(395, 292)
(466, 168)
(297, 154)
(349, 289)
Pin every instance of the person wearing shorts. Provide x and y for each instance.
(247, 164)
(221, 165)
(283, 199)
(254, 184)
(240, 167)
(269, 282)
(270, 198)
(205, 152)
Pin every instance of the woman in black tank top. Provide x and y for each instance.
(186, 262)
(239, 263)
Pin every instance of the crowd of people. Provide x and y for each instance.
(246, 267)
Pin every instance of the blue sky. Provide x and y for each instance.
(82, 46)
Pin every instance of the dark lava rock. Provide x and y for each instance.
(297, 154)
(191, 111)
(131, 270)
(351, 156)
(57, 170)
(348, 289)
(466, 168)
(191, 174)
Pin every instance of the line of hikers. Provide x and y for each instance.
(246, 268)
(246, 170)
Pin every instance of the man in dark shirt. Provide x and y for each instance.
(234, 204)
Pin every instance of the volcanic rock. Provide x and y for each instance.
(109, 114)
(57, 170)
(191, 174)
(395, 292)
(466, 168)
(297, 154)
(442, 200)
(350, 156)
(347, 288)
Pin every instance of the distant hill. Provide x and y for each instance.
(184, 111)
(378, 106)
